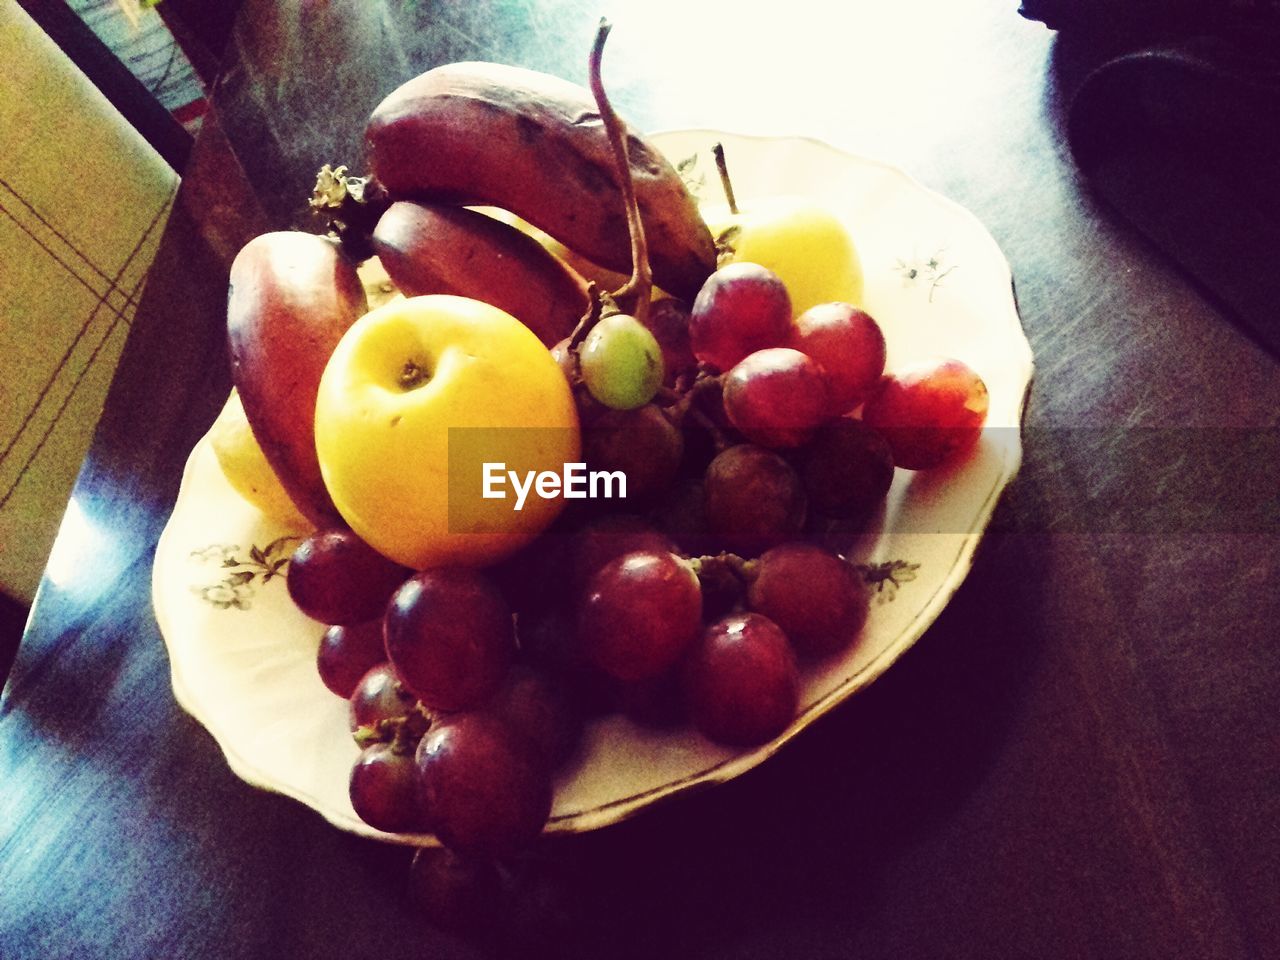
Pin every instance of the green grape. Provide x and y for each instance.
(621, 362)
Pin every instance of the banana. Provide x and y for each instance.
(604, 279)
(531, 143)
(293, 295)
(439, 248)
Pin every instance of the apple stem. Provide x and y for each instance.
(413, 375)
(640, 284)
(717, 151)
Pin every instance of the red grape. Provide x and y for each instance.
(699, 442)
(536, 706)
(847, 469)
(454, 892)
(379, 696)
(531, 577)
(742, 308)
(488, 793)
(776, 397)
(588, 406)
(682, 517)
(335, 577)
(564, 358)
(668, 321)
(930, 413)
(550, 641)
(450, 637)
(849, 346)
(657, 702)
(813, 596)
(740, 681)
(606, 538)
(384, 790)
(549, 903)
(347, 653)
(639, 613)
(642, 443)
(753, 498)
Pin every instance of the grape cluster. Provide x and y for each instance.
(456, 738)
(771, 440)
(697, 600)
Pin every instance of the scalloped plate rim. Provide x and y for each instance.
(623, 808)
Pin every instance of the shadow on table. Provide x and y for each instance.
(811, 833)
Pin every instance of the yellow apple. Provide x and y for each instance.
(246, 468)
(800, 240)
(416, 398)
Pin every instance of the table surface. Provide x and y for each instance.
(1079, 759)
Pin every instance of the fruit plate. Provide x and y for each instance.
(243, 657)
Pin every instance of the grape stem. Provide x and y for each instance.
(741, 568)
(718, 438)
(685, 406)
(403, 733)
(589, 320)
(409, 731)
(724, 570)
(703, 382)
(717, 151)
(369, 734)
(640, 285)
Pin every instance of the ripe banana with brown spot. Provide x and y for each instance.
(531, 143)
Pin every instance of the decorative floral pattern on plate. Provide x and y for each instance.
(928, 272)
(885, 578)
(240, 575)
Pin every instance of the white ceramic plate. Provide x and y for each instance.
(243, 658)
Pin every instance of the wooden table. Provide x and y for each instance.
(1081, 758)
